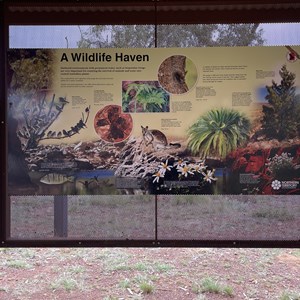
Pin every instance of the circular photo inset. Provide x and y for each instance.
(112, 125)
(177, 74)
(291, 56)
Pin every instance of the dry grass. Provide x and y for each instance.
(171, 273)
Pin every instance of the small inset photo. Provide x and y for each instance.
(144, 96)
(177, 74)
(292, 55)
(112, 125)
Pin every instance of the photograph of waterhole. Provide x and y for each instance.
(179, 217)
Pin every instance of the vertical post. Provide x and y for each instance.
(224, 180)
(4, 200)
(155, 24)
(61, 216)
(156, 225)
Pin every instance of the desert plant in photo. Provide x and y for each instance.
(281, 115)
(38, 118)
(145, 97)
(281, 166)
(218, 132)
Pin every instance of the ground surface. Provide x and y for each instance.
(119, 273)
(235, 217)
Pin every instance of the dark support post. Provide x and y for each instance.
(156, 197)
(224, 180)
(60, 216)
(4, 212)
(155, 24)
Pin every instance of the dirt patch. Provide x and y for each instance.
(289, 260)
(169, 273)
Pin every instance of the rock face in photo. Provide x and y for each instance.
(112, 125)
(171, 74)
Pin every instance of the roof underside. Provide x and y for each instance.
(150, 12)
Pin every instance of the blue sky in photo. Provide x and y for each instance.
(55, 36)
(262, 92)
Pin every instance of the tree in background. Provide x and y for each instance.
(209, 35)
(117, 36)
(281, 117)
(192, 35)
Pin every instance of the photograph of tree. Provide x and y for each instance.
(177, 74)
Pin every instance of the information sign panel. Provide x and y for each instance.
(158, 121)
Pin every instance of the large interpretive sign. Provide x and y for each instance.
(154, 121)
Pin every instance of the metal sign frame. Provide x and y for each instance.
(122, 12)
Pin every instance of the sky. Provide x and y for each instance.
(55, 36)
(43, 36)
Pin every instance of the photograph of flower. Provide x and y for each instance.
(177, 176)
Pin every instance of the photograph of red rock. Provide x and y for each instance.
(112, 125)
